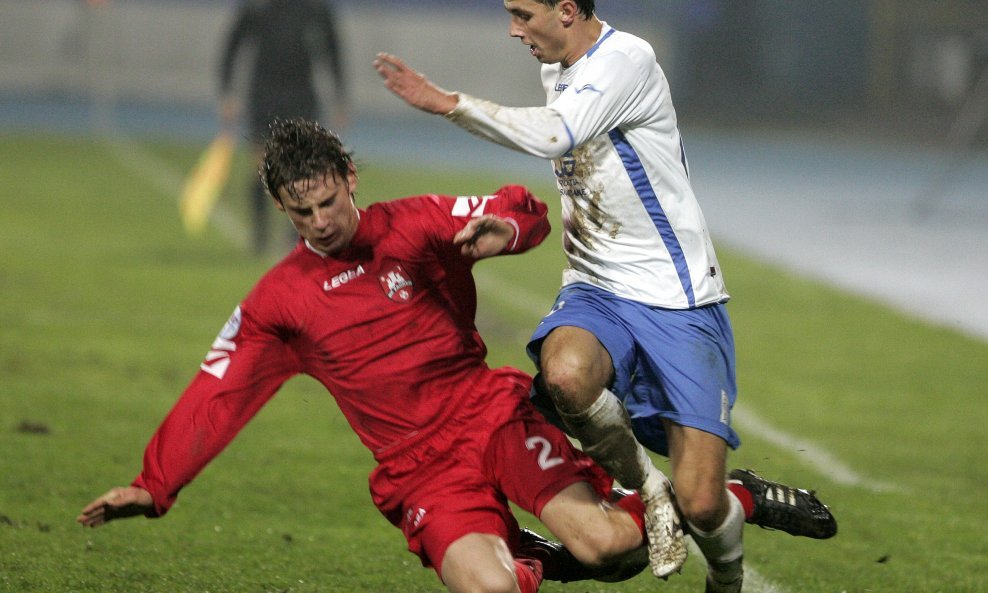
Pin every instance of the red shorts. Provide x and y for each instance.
(459, 480)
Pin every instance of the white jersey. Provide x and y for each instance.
(632, 224)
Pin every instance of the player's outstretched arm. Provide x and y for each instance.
(412, 87)
(485, 236)
(118, 503)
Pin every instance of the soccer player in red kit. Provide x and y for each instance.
(378, 305)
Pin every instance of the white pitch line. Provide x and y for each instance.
(754, 581)
(811, 453)
(168, 180)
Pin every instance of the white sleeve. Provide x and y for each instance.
(607, 94)
(539, 131)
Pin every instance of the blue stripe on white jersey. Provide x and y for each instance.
(646, 193)
(603, 38)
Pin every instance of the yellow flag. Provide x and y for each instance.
(205, 183)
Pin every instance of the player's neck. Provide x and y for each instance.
(585, 35)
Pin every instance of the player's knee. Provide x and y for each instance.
(479, 563)
(597, 547)
(704, 510)
(500, 582)
(497, 582)
(483, 581)
(570, 382)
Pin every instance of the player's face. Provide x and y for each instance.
(325, 215)
(538, 27)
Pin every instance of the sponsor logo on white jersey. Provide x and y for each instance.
(588, 87)
(218, 358)
(341, 279)
(470, 206)
(396, 285)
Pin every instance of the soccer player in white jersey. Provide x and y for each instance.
(638, 348)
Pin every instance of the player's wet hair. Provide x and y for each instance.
(586, 7)
(299, 150)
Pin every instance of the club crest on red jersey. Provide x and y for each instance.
(396, 284)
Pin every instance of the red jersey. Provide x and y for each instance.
(386, 325)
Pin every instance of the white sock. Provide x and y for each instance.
(604, 431)
(722, 546)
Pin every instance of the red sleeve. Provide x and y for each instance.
(514, 203)
(526, 212)
(242, 371)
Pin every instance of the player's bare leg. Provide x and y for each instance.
(603, 538)
(713, 515)
(483, 562)
(576, 368)
(559, 563)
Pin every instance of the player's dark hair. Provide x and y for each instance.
(586, 7)
(299, 150)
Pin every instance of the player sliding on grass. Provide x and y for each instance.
(378, 305)
(638, 348)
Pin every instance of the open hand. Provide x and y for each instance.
(118, 503)
(412, 87)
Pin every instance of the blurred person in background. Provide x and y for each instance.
(283, 41)
(638, 350)
(378, 305)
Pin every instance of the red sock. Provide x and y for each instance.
(742, 494)
(529, 574)
(633, 504)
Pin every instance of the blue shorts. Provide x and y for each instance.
(668, 363)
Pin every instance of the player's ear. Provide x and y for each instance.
(568, 12)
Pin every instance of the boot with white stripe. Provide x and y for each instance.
(793, 510)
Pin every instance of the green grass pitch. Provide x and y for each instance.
(107, 310)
